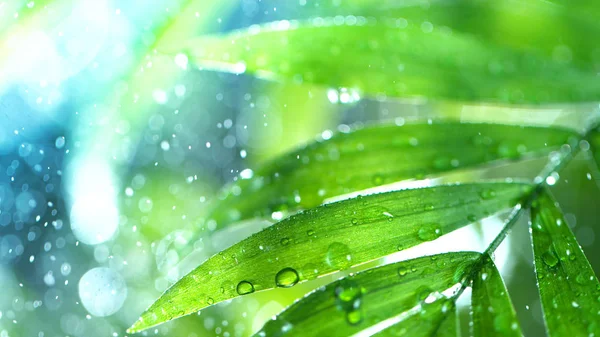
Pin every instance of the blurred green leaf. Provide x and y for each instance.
(329, 238)
(450, 326)
(492, 311)
(407, 294)
(594, 140)
(390, 57)
(569, 289)
(560, 31)
(373, 156)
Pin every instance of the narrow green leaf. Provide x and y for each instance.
(568, 287)
(450, 326)
(396, 58)
(330, 238)
(394, 299)
(594, 140)
(377, 155)
(492, 311)
(560, 33)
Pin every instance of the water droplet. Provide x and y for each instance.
(549, 259)
(471, 217)
(354, 317)
(338, 256)
(286, 278)
(310, 232)
(354, 221)
(422, 293)
(102, 291)
(59, 142)
(285, 241)
(245, 287)
(402, 271)
(377, 180)
(487, 194)
(348, 295)
(429, 232)
(581, 278)
(210, 300)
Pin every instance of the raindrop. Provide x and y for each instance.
(286, 278)
(244, 288)
(402, 271)
(338, 256)
(354, 317)
(487, 194)
(145, 204)
(429, 232)
(102, 291)
(550, 259)
(59, 142)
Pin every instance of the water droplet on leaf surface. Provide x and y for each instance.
(245, 287)
(286, 278)
(429, 232)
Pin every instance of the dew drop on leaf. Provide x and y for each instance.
(354, 317)
(338, 256)
(549, 259)
(286, 278)
(285, 241)
(377, 180)
(429, 232)
(402, 271)
(348, 295)
(487, 194)
(245, 287)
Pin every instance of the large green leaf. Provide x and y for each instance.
(492, 311)
(569, 289)
(330, 238)
(560, 33)
(409, 294)
(390, 57)
(374, 156)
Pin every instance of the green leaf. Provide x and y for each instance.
(492, 311)
(330, 238)
(594, 140)
(569, 289)
(450, 326)
(560, 33)
(372, 156)
(395, 57)
(395, 298)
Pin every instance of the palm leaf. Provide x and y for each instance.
(374, 156)
(395, 298)
(492, 311)
(330, 238)
(390, 57)
(569, 289)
